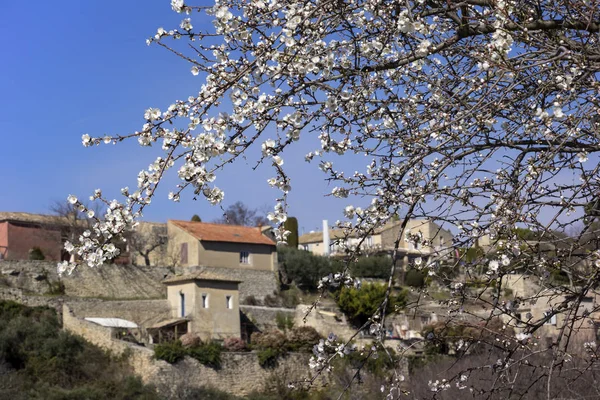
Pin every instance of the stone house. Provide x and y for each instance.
(209, 302)
(20, 232)
(219, 245)
(438, 241)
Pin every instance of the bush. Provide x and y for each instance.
(251, 301)
(414, 278)
(360, 304)
(269, 339)
(302, 338)
(170, 352)
(208, 354)
(372, 267)
(304, 268)
(267, 358)
(36, 254)
(290, 298)
(377, 365)
(235, 344)
(271, 300)
(39, 360)
(284, 321)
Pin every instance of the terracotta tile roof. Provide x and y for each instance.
(224, 233)
(33, 218)
(199, 276)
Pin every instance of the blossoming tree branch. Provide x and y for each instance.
(480, 115)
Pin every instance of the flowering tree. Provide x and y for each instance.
(483, 115)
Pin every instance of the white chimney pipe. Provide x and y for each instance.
(326, 241)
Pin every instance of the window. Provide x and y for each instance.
(182, 303)
(204, 300)
(369, 241)
(184, 253)
(229, 302)
(305, 246)
(244, 257)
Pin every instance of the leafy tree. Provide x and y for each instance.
(361, 304)
(414, 278)
(304, 268)
(371, 267)
(291, 224)
(196, 218)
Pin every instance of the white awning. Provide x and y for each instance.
(113, 322)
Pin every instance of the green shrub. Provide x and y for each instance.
(36, 254)
(372, 267)
(267, 358)
(360, 304)
(284, 321)
(414, 278)
(45, 362)
(170, 352)
(291, 224)
(377, 363)
(303, 268)
(208, 354)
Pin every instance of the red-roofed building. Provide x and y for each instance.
(219, 245)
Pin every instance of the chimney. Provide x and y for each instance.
(326, 241)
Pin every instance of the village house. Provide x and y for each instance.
(209, 303)
(219, 245)
(438, 241)
(21, 232)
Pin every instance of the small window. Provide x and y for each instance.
(442, 241)
(229, 302)
(184, 253)
(244, 257)
(182, 301)
(369, 241)
(204, 300)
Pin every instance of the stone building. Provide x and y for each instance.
(21, 232)
(219, 245)
(210, 304)
(437, 241)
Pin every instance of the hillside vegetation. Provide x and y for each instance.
(40, 361)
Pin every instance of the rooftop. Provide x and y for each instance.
(199, 276)
(224, 233)
(33, 218)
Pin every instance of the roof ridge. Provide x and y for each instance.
(216, 223)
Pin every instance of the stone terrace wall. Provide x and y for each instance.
(264, 317)
(122, 281)
(254, 282)
(142, 312)
(108, 281)
(239, 374)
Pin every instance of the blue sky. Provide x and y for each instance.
(74, 67)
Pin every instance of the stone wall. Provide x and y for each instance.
(239, 374)
(264, 318)
(108, 281)
(143, 312)
(21, 297)
(254, 282)
(122, 281)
